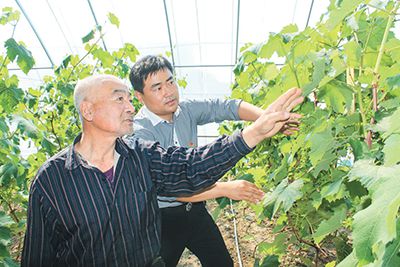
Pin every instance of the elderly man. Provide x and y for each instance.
(95, 202)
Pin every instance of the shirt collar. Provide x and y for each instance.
(73, 159)
(144, 112)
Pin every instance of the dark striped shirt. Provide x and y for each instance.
(76, 218)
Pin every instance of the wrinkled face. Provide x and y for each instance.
(110, 108)
(160, 94)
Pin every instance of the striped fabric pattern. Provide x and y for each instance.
(76, 218)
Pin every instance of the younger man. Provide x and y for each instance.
(172, 123)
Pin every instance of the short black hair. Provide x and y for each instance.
(146, 66)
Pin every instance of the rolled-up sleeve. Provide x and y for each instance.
(181, 171)
(214, 110)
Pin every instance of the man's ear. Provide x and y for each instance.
(139, 96)
(87, 110)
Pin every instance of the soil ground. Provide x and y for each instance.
(250, 233)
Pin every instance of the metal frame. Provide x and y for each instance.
(97, 24)
(169, 36)
(36, 33)
(309, 13)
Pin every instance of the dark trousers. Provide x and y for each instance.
(194, 229)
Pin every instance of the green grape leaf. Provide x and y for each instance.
(284, 195)
(9, 15)
(105, 57)
(88, 37)
(318, 75)
(9, 262)
(337, 15)
(5, 235)
(391, 150)
(367, 173)
(394, 81)
(333, 188)
(18, 51)
(266, 50)
(390, 103)
(337, 67)
(3, 125)
(291, 28)
(243, 80)
(331, 225)
(64, 64)
(26, 126)
(393, 48)
(391, 256)
(4, 251)
(10, 97)
(270, 261)
(5, 220)
(276, 247)
(48, 145)
(131, 51)
(350, 260)
(352, 50)
(377, 223)
(7, 171)
(249, 56)
(389, 125)
(352, 23)
(270, 72)
(324, 163)
(321, 145)
(113, 19)
(337, 95)
(360, 149)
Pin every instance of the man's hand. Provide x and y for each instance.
(241, 190)
(287, 102)
(275, 118)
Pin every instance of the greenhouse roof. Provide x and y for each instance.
(202, 37)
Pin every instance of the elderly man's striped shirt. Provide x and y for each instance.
(77, 218)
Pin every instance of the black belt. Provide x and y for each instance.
(188, 206)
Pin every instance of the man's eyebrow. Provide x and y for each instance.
(157, 84)
(117, 91)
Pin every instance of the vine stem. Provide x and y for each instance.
(299, 239)
(11, 209)
(291, 65)
(80, 60)
(258, 74)
(54, 131)
(375, 83)
(115, 66)
(3, 63)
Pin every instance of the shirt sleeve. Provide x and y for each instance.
(179, 171)
(142, 133)
(214, 110)
(38, 249)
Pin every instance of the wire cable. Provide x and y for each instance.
(236, 234)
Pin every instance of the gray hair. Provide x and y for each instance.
(84, 89)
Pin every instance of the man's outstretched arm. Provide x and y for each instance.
(249, 112)
(236, 190)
